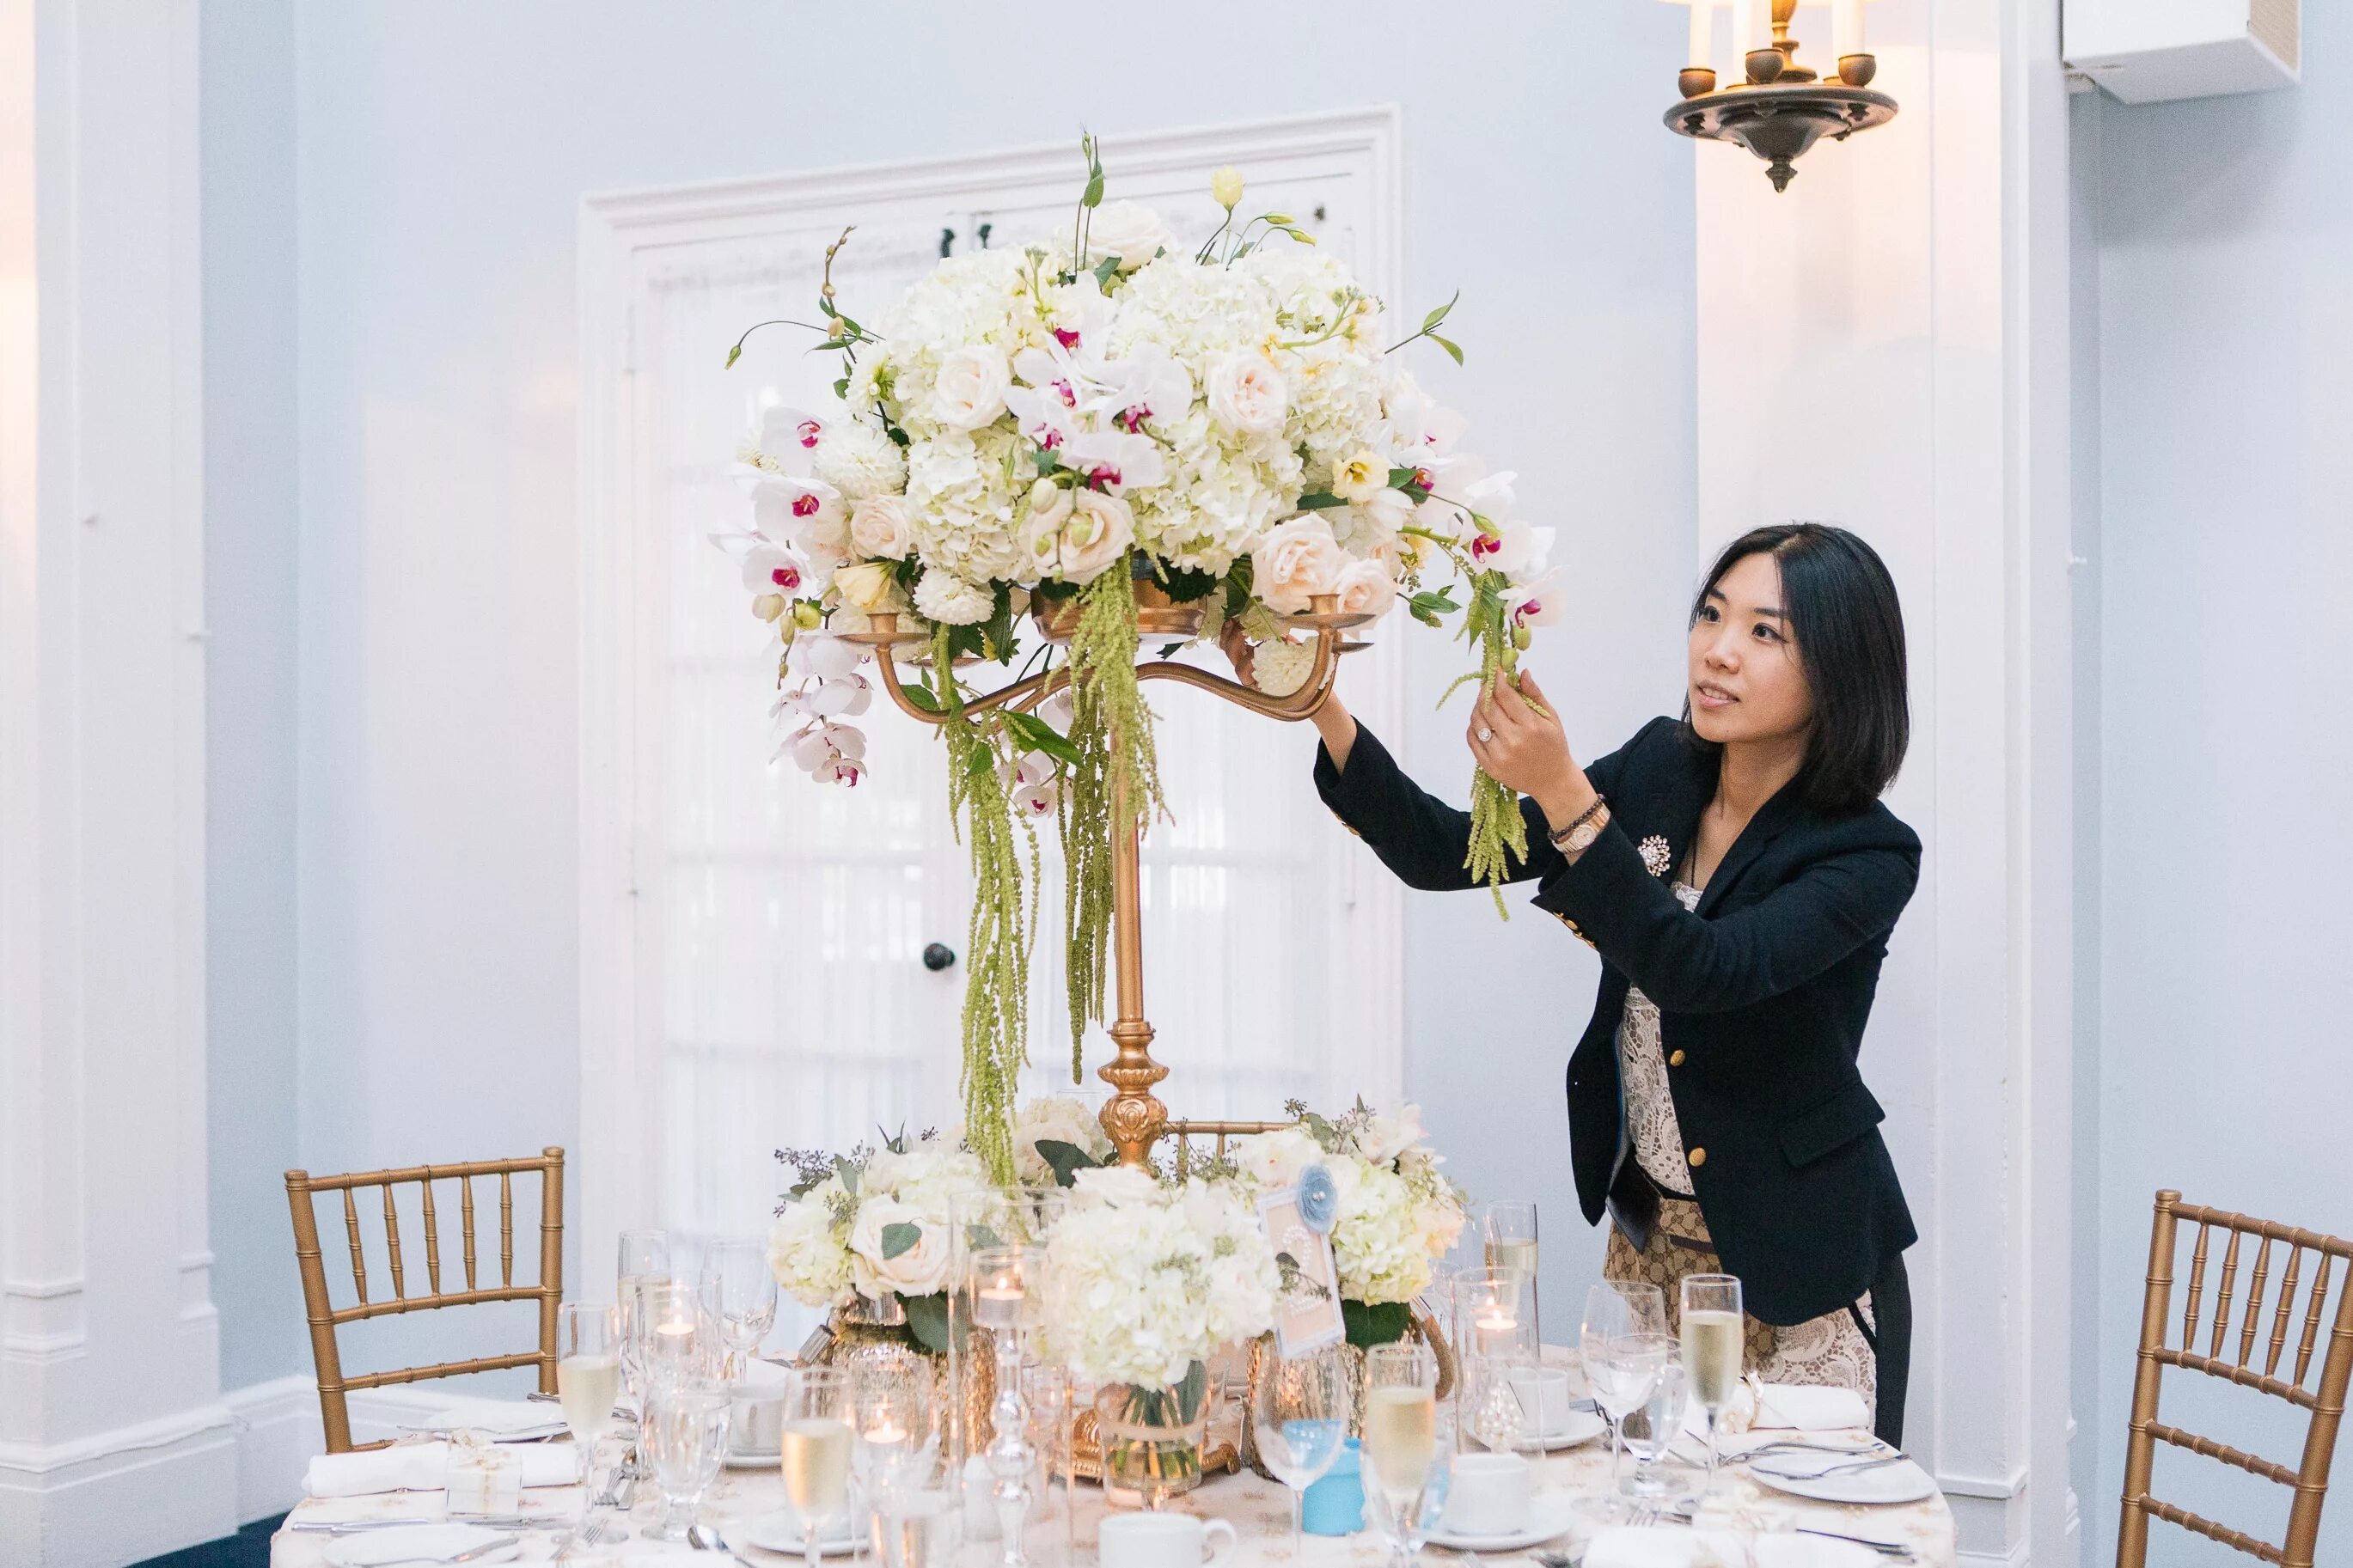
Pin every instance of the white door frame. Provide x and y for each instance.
(618, 230)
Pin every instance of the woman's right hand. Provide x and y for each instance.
(1333, 719)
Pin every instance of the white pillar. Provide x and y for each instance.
(114, 1445)
(1886, 347)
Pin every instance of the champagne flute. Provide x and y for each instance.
(1299, 1411)
(683, 1436)
(1510, 1230)
(739, 1292)
(587, 1375)
(817, 1450)
(1656, 1422)
(644, 1257)
(1713, 1331)
(1409, 1461)
(1622, 1340)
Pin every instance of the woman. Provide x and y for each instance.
(1739, 876)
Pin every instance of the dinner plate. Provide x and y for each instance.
(1903, 1481)
(1549, 1515)
(781, 1531)
(419, 1544)
(1581, 1426)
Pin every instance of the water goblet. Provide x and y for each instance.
(739, 1292)
(1653, 1425)
(1623, 1322)
(683, 1436)
(919, 1511)
(1714, 1332)
(817, 1450)
(1299, 1413)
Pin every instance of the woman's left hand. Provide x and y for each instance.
(1521, 745)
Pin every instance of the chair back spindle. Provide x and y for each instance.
(2322, 1399)
(326, 1320)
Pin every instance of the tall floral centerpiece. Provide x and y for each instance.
(866, 1234)
(1119, 437)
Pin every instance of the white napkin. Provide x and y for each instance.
(416, 1543)
(1811, 1409)
(1620, 1547)
(424, 1467)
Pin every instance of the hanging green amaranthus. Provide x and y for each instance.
(1499, 833)
(1111, 730)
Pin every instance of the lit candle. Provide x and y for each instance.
(1846, 28)
(998, 1305)
(887, 1433)
(1703, 32)
(1744, 36)
(1495, 1328)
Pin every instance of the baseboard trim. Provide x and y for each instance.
(278, 1430)
(122, 1496)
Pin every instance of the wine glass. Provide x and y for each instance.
(1653, 1425)
(1299, 1411)
(683, 1436)
(739, 1292)
(1409, 1455)
(1625, 1323)
(816, 1444)
(921, 1509)
(1714, 1330)
(588, 1374)
(1510, 1230)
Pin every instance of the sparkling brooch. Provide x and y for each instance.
(1656, 856)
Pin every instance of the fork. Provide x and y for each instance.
(1884, 1548)
(473, 1554)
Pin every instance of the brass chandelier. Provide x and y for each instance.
(1777, 108)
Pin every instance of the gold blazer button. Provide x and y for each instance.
(1698, 1157)
(1676, 1061)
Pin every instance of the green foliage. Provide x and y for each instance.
(1067, 1160)
(901, 1238)
(927, 1322)
(1374, 1323)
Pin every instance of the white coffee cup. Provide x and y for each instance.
(1490, 1495)
(757, 1427)
(1165, 1540)
(1545, 1396)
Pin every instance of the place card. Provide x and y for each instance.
(1307, 1315)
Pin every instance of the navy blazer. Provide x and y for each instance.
(1763, 991)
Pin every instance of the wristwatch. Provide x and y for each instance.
(1578, 837)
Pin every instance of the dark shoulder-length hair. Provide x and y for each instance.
(1849, 627)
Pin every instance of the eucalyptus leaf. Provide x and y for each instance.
(1318, 500)
(1105, 271)
(1067, 1160)
(899, 1239)
(849, 1174)
(927, 1322)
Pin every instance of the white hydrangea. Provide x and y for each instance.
(1141, 1282)
(951, 601)
(805, 1246)
(1279, 666)
(1395, 1216)
(1060, 1119)
(962, 498)
(1376, 1241)
(859, 460)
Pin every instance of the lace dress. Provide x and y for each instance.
(1832, 1350)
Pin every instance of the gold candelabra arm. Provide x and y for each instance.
(884, 635)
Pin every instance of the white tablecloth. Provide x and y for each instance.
(1260, 1511)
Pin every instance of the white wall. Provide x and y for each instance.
(443, 150)
(2225, 298)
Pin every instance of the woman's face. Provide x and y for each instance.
(1747, 682)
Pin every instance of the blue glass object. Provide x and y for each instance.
(1335, 1504)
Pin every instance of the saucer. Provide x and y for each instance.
(781, 1531)
(737, 1459)
(1581, 1426)
(1550, 1514)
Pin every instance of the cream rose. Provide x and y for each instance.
(1129, 230)
(920, 1270)
(1299, 559)
(1247, 394)
(1075, 534)
(1364, 588)
(969, 391)
(879, 528)
(868, 587)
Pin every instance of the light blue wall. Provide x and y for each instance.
(2225, 298)
(248, 118)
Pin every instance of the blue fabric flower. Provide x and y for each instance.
(1318, 1200)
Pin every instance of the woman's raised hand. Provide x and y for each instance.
(1516, 735)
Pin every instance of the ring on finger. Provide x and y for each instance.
(1485, 734)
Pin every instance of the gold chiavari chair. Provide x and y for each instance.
(1184, 1132)
(2253, 1362)
(326, 1318)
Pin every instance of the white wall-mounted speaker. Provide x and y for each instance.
(2145, 51)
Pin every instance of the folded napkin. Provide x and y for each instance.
(1807, 1409)
(1621, 1547)
(425, 1466)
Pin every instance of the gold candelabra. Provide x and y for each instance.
(1135, 1118)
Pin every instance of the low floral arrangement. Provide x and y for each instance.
(1055, 1137)
(1394, 1215)
(1058, 427)
(873, 1224)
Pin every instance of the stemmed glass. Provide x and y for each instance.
(683, 1436)
(1660, 1419)
(739, 1292)
(817, 1442)
(644, 1257)
(1409, 1452)
(672, 1335)
(922, 1508)
(889, 1412)
(1510, 1230)
(1299, 1413)
(1624, 1340)
(588, 1374)
(1713, 1329)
